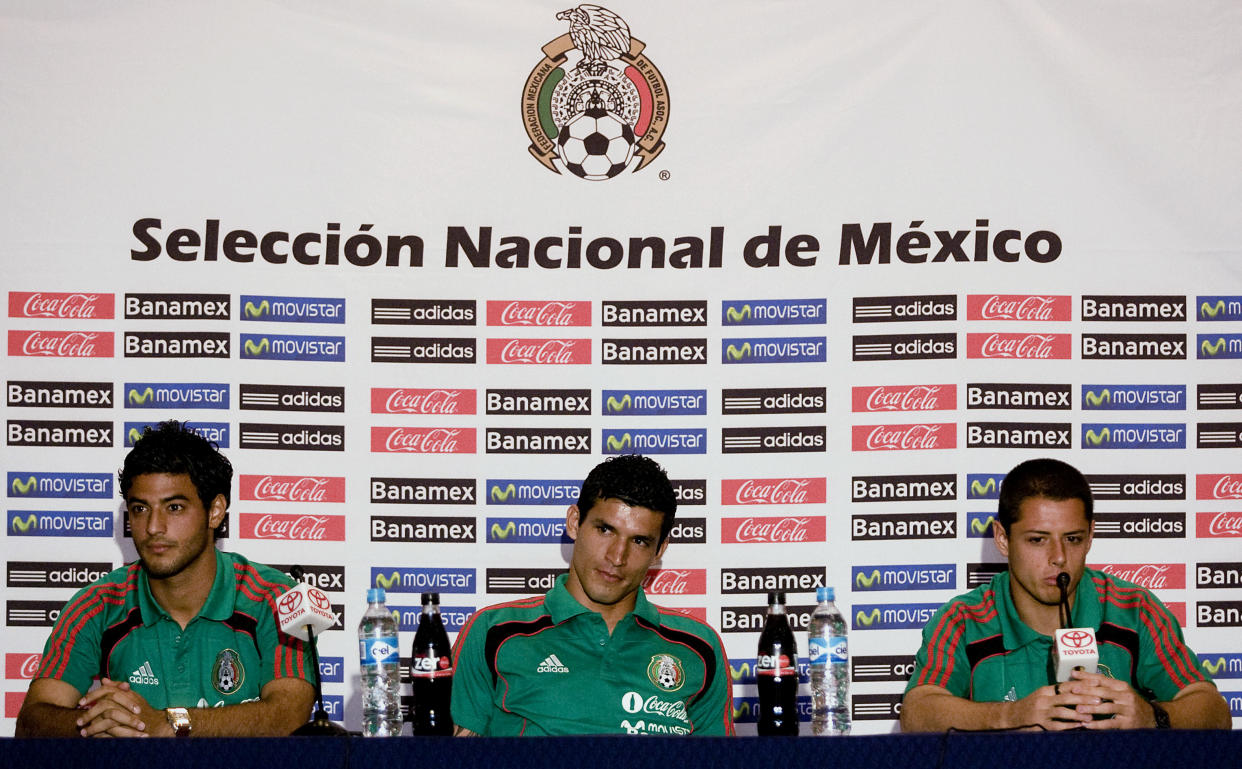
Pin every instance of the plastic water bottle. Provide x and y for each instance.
(380, 663)
(829, 658)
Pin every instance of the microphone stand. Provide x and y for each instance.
(1063, 610)
(319, 725)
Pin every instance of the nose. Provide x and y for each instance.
(616, 552)
(1057, 556)
(155, 521)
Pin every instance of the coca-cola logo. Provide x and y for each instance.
(29, 666)
(61, 344)
(21, 666)
(270, 488)
(1077, 639)
(538, 313)
(423, 440)
(313, 528)
(676, 582)
(420, 401)
(1220, 524)
(904, 437)
(774, 491)
(78, 306)
(539, 351)
(907, 398)
(793, 529)
(1219, 487)
(1023, 346)
(1153, 576)
(1018, 307)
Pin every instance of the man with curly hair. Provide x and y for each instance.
(184, 641)
(593, 655)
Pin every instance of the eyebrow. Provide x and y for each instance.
(173, 498)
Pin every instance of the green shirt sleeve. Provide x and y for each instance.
(472, 680)
(712, 714)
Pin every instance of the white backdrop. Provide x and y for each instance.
(1099, 136)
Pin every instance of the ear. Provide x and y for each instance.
(1000, 538)
(572, 519)
(663, 546)
(215, 513)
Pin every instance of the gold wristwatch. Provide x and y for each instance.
(179, 720)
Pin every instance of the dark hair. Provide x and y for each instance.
(172, 447)
(635, 480)
(1047, 478)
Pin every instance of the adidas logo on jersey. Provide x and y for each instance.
(551, 664)
(144, 675)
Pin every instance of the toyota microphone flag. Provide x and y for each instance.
(1074, 648)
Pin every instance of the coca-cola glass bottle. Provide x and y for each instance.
(431, 672)
(776, 672)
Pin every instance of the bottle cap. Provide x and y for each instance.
(825, 594)
(776, 597)
(432, 598)
(376, 595)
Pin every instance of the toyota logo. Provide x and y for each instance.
(1077, 638)
(290, 601)
(319, 599)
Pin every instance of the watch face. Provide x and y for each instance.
(179, 719)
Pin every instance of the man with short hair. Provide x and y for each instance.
(184, 641)
(984, 663)
(593, 655)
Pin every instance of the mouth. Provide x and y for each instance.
(608, 576)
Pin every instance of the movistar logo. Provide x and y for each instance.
(1097, 439)
(387, 582)
(139, 398)
(257, 312)
(736, 316)
(506, 532)
(863, 581)
(1212, 350)
(1213, 669)
(134, 435)
(1095, 400)
(982, 525)
(733, 353)
(619, 445)
(1211, 310)
(742, 712)
(739, 673)
(867, 620)
(260, 348)
(983, 489)
(502, 495)
(21, 489)
(23, 526)
(619, 405)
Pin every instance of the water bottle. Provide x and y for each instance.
(380, 663)
(829, 657)
(776, 672)
(431, 672)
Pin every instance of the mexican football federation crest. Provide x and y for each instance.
(595, 105)
(227, 674)
(665, 671)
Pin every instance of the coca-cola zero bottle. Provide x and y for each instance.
(431, 672)
(776, 672)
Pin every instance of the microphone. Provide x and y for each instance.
(1073, 648)
(302, 612)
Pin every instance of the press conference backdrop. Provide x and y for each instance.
(418, 266)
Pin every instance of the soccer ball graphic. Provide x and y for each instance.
(596, 145)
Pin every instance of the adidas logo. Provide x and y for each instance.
(551, 664)
(144, 675)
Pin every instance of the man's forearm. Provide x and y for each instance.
(275, 716)
(43, 719)
(1199, 706)
(934, 711)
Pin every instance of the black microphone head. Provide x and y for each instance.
(1063, 580)
(296, 572)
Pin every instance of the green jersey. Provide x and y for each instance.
(548, 666)
(224, 656)
(978, 648)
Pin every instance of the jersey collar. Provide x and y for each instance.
(561, 605)
(220, 601)
(1087, 611)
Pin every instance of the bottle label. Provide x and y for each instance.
(375, 651)
(834, 649)
(775, 664)
(427, 666)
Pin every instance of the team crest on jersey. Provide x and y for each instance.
(227, 674)
(665, 672)
(595, 105)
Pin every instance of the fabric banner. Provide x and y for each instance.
(417, 267)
